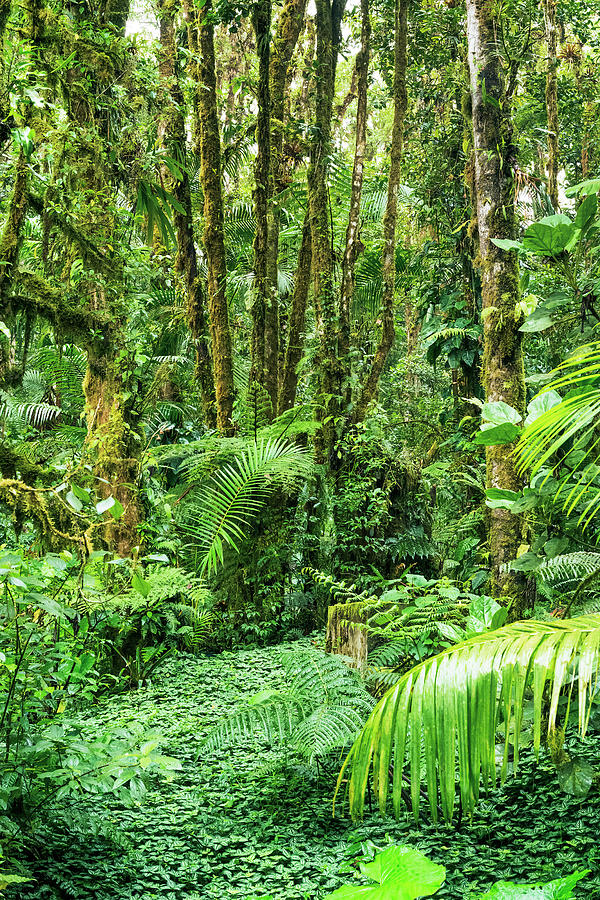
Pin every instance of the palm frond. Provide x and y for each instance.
(570, 427)
(453, 703)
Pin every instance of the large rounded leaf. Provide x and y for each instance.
(400, 873)
(561, 889)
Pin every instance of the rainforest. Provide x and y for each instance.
(299, 449)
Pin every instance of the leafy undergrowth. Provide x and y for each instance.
(233, 825)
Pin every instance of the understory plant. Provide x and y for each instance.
(457, 701)
(322, 709)
(403, 873)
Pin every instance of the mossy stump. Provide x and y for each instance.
(344, 636)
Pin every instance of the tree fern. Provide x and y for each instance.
(321, 710)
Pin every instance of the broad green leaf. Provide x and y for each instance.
(140, 584)
(499, 499)
(528, 562)
(541, 404)
(105, 505)
(591, 186)
(561, 889)
(536, 322)
(74, 501)
(498, 412)
(483, 609)
(498, 434)
(549, 240)
(400, 873)
(80, 493)
(507, 244)
(555, 546)
(528, 500)
(586, 212)
(555, 219)
(576, 777)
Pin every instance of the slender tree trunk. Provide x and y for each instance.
(214, 233)
(353, 244)
(552, 99)
(390, 217)
(289, 26)
(295, 344)
(328, 25)
(502, 368)
(261, 20)
(172, 131)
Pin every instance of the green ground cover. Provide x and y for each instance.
(234, 824)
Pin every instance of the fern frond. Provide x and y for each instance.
(224, 509)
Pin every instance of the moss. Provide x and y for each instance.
(113, 445)
(48, 513)
(343, 634)
(13, 464)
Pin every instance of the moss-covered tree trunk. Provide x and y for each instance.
(261, 20)
(328, 30)
(285, 39)
(344, 634)
(552, 99)
(502, 369)
(386, 340)
(351, 249)
(296, 321)
(172, 130)
(214, 233)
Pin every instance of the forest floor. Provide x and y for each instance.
(232, 824)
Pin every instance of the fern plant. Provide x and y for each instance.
(223, 509)
(322, 708)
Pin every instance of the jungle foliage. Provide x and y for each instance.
(299, 309)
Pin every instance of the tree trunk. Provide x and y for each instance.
(114, 442)
(284, 43)
(390, 217)
(172, 130)
(353, 244)
(295, 344)
(328, 25)
(261, 20)
(344, 634)
(502, 367)
(214, 234)
(552, 99)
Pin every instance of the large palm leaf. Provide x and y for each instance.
(455, 703)
(223, 509)
(565, 434)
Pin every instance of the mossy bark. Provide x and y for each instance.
(296, 322)
(287, 32)
(260, 372)
(343, 635)
(386, 340)
(351, 250)
(552, 99)
(174, 138)
(214, 233)
(114, 444)
(502, 368)
(328, 30)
